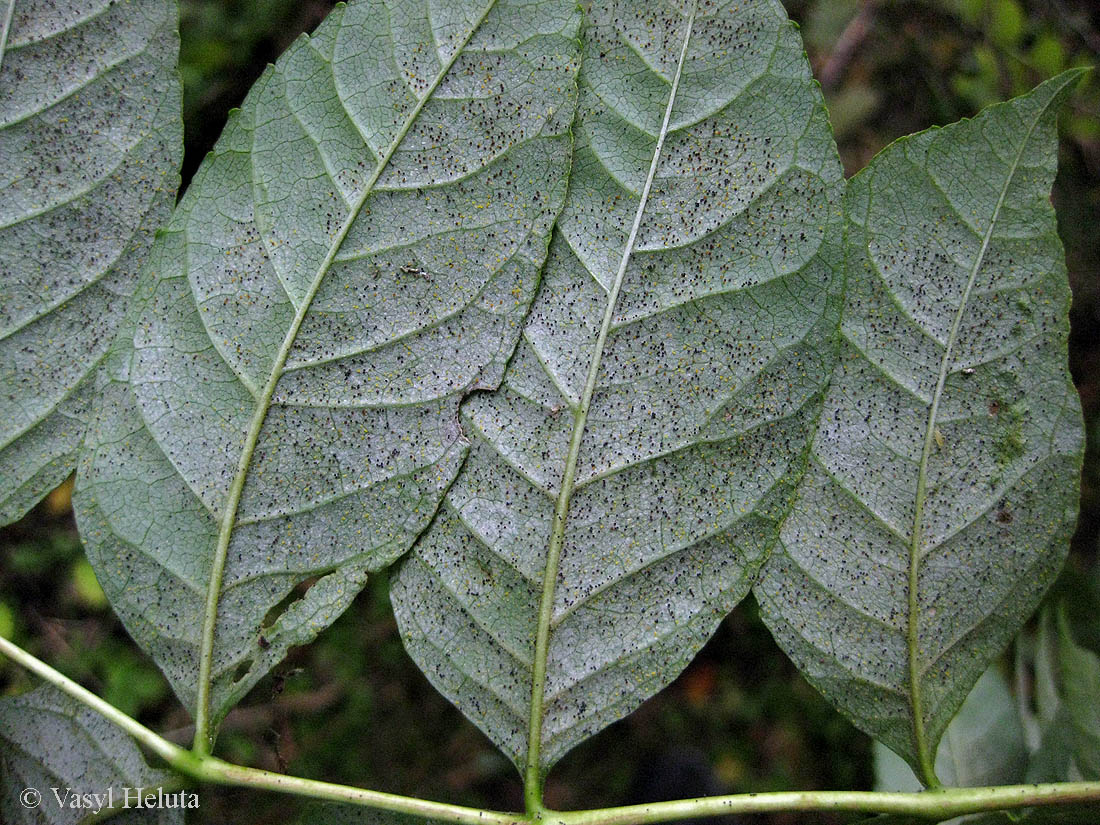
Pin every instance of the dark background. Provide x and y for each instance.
(352, 708)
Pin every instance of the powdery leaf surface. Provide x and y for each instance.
(943, 483)
(710, 270)
(91, 138)
(49, 740)
(355, 256)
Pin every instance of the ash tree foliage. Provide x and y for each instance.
(90, 136)
(568, 317)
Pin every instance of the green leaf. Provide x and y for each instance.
(1047, 700)
(1053, 761)
(355, 256)
(1080, 671)
(52, 744)
(944, 477)
(91, 139)
(626, 481)
(1056, 674)
(983, 745)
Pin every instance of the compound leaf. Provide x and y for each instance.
(52, 744)
(943, 483)
(355, 256)
(627, 479)
(91, 139)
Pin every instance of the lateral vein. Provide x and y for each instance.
(532, 777)
(912, 636)
(203, 734)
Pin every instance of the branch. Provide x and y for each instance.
(205, 768)
(161, 747)
(938, 804)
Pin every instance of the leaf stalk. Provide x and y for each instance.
(935, 805)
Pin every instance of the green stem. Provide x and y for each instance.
(166, 750)
(205, 768)
(937, 805)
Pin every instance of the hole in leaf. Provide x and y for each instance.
(242, 671)
(296, 594)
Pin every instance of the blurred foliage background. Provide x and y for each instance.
(352, 708)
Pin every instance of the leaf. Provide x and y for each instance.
(1042, 709)
(1080, 672)
(91, 138)
(1053, 761)
(1054, 758)
(983, 745)
(955, 321)
(52, 742)
(626, 481)
(355, 256)
(1047, 700)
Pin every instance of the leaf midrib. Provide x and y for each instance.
(203, 733)
(5, 28)
(923, 749)
(532, 776)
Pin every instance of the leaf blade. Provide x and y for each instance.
(661, 537)
(52, 740)
(94, 145)
(983, 745)
(1080, 672)
(294, 376)
(956, 291)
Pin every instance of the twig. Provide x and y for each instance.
(938, 804)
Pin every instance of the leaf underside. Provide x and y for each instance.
(354, 257)
(341, 349)
(49, 740)
(705, 392)
(983, 745)
(950, 445)
(91, 137)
